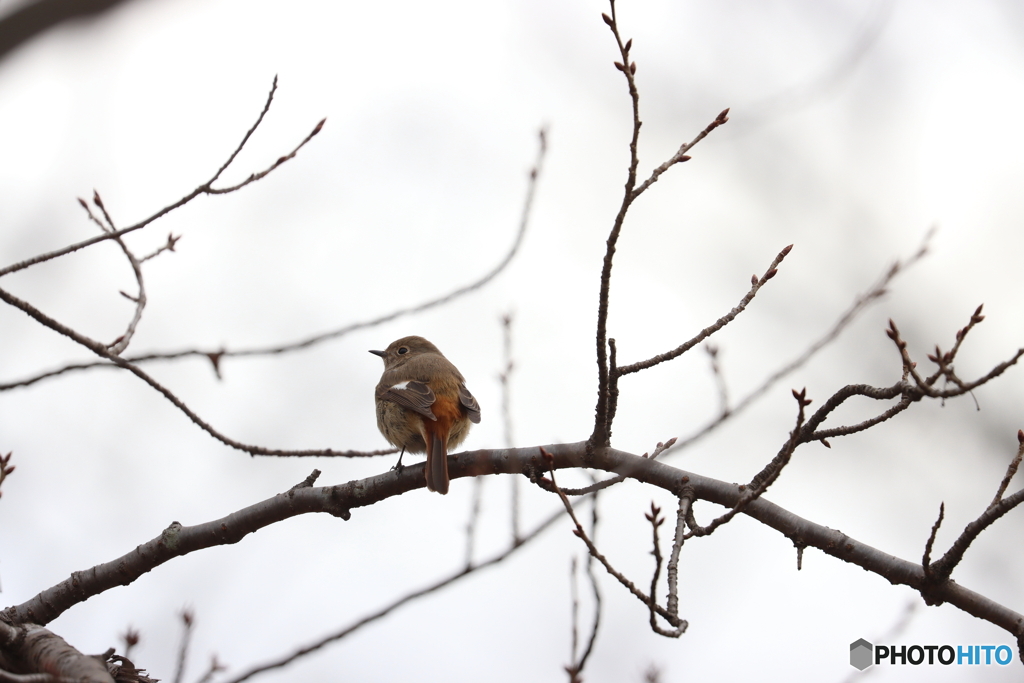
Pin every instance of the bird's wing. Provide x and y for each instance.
(416, 396)
(469, 403)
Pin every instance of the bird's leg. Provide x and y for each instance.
(398, 465)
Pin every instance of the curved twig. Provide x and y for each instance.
(216, 355)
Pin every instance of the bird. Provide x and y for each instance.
(423, 405)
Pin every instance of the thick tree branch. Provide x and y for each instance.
(339, 500)
(34, 18)
(30, 653)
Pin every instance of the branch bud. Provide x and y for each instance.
(607, 19)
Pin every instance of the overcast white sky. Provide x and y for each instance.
(855, 127)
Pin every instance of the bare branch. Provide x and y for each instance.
(680, 156)
(215, 356)
(859, 304)
(49, 658)
(121, 343)
(1011, 469)
(215, 668)
(131, 638)
(582, 534)
(766, 477)
(683, 514)
(30, 19)
(926, 559)
(187, 624)
(716, 370)
(925, 386)
(101, 350)
(339, 500)
(756, 285)
(506, 412)
(605, 409)
(582, 662)
(943, 569)
(6, 468)
(611, 481)
(338, 635)
(205, 188)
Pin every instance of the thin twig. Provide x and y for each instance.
(118, 346)
(942, 569)
(474, 518)
(716, 371)
(101, 350)
(926, 559)
(131, 638)
(860, 303)
(187, 621)
(205, 188)
(582, 534)
(611, 481)
(1011, 469)
(755, 286)
(682, 515)
(338, 635)
(598, 605)
(766, 477)
(215, 668)
(6, 468)
(215, 356)
(606, 389)
(505, 378)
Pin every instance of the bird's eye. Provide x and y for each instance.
(403, 350)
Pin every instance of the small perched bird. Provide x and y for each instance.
(423, 405)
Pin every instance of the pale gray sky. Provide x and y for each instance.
(854, 128)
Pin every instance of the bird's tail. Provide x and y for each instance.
(437, 463)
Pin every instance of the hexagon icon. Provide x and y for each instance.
(861, 654)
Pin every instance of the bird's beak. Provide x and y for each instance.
(377, 353)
